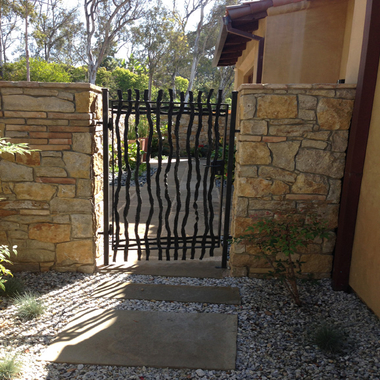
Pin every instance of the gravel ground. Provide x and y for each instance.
(273, 334)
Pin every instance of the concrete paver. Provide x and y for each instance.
(142, 338)
(179, 293)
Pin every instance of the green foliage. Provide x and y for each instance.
(328, 338)
(10, 366)
(28, 306)
(279, 240)
(8, 147)
(124, 80)
(5, 254)
(220, 156)
(13, 287)
(132, 158)
(40, 71)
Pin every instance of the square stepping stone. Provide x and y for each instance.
(144, 338)
(179, 293)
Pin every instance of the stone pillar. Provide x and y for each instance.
(50, 197)
(290, 157)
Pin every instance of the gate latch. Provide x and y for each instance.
(217, 167)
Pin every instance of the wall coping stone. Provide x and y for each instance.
(73, 85)
(296, 86)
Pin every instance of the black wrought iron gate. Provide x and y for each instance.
(182, 204)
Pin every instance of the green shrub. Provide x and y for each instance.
(4, 258)
(328, 338)
(28, 306)
(13, 287)
(10, 366)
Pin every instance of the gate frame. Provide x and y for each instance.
(108, 228)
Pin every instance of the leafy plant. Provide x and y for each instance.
(219, 156)
(279, 240)
(132, 158)
(5, 253)
(10, 366)
(328, 338)
(29, 307)
(8, 147)
(13, 287)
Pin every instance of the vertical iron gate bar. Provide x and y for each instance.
(137, 184)
(222, 173)
(176, 179)
(120, 171)
(231, 150)
(206, 194)
(214, 164)
(159, 169)
(168, 166)
(148, 179)
(197, 166)
(106, 216)
(113, 182)
(189, 175)
(129, 175)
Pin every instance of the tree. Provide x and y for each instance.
(27, 10)
(105, 22)
(8, 27)
(54, 30)
(152, 36)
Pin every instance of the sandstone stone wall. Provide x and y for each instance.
(50, 199)
(290, 158)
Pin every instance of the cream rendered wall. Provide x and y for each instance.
(365, 265)
(248, 60)
(299, 47)
(356, 39)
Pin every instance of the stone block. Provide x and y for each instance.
(82, 142)
(88, 269)
(52, 161)
(297, 130)
(40, 92)
(47, 266)
(334, 191)
(308, 115)
(85, 101)
(34, 191)
(30, 103)
(316, 144)
(51, 154)
(305, 197)
(246, 171)
(339, 141)
(321, 162)
(3, 238)
(253, 154)
(259, 187)
(334, 114)
(241, 207)
(307, 102)
(23, 204)
(273, 139)
(316, 263)
(241, 225)
(284, 153)
(84, 188)
(66, 191)
(269, 172)
(346, 94)
(12, 172)
(82, 226)
(32, 255)
(50, 171)
(31, 159)
(253, 127)
(248, 260)
(49, 232)
(34, 212)
(310, 184)
(328, 244)
(278, 206)
(247, 106)
(25, 267)
(321, 135)
(70, 206)
(277, 107)
(239, 271)
(78, 165)
(36, 245)
(75, 252)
